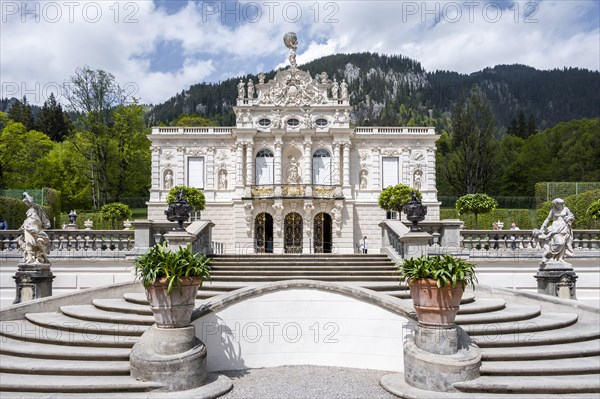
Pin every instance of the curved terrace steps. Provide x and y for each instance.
(524, 347)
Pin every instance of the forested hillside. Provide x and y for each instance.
(381, 85)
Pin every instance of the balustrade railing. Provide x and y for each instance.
(98, 241)
(522, 239)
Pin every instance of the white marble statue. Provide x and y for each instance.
(363, 180)
(335, 89)
(417, 176)
(291, 41)
(34, 243)
(344, 89)
(558, 238)
(250, 89)
(168, 180)
(294, 171)
(223, 179)
(241, 89)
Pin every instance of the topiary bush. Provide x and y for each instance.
(526, 219)
(193, 196)
(476, 204)
(579, 205)
(13, 211)
(593, 210)
(394, 198)
(116, 213)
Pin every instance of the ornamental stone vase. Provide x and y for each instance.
(173, 310)
(435, 306)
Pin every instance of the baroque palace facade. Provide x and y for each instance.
(293, 176)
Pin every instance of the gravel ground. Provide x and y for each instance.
(306, 382)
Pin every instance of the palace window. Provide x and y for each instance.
(321, 122)
(390, 172)
(293, 122)
(264, 122)
(264, 167)
(196, 172)
(322, 167)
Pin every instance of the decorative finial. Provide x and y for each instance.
(291, 41)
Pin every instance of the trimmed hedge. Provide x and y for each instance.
(525, 218)
(547, 191)
(13, 211)
(578, 204)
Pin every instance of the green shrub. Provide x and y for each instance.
(394, 198)
(52, 202)
(476, 204)
(13, 211)
(116, 213)
(594, 210)
(524, 218)
(442, 268)
(578, 204)
(193, 196)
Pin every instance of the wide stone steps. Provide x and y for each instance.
(92, 313)
(337, 277)
(123, 306)
(68, 384)
(61, 335)
(481, 306)
(555, 384)
(68, 323)
(568, 350)
(506, 314)
(581, 331)
(519, 330)
(581, 365)
(58, 352)
(20, 365)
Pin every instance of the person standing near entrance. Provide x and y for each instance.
(365, 245)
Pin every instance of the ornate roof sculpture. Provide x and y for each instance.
(292, 87)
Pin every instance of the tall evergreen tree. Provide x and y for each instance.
(53, 120)
(470, 166)
(21, 112)
(522, 125)
(531, 127)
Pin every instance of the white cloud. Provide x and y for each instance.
(33, 54)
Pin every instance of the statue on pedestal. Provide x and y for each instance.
(294, 172)
(558, 238)
(34, 243)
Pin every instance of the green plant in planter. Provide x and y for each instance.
(442, 268)
(160, 263)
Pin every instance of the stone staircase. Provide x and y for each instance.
(529, 347)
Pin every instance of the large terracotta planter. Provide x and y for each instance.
(435, 306)
(174, 310)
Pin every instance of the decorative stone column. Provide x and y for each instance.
(277, 166)
(337, 162)
(346, 164)
(557, 279)
(239, 164)
(34, 281)
(249, 165)
(308, 168)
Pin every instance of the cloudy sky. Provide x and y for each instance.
(158, 48)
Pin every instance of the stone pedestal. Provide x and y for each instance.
(71, 227)
(142, 235)
(176, 239)
(435, 359)
(173, 357)
(557, 279)
(33, 281)
(415, 244)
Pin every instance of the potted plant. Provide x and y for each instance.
(172, 279)
(436, 286)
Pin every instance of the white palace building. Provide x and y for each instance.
(293, 175)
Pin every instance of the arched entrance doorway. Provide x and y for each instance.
(292, 233)
(322, 233)
(263, 233)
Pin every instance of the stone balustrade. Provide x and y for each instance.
(191, 130)
(523, 239)
(394, 130)
(71, 242)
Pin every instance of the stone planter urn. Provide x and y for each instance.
(173, 310)
(435, 306)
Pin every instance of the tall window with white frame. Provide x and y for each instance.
(264, 168)
(390, 176)
(195, 177)
(322, 167)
